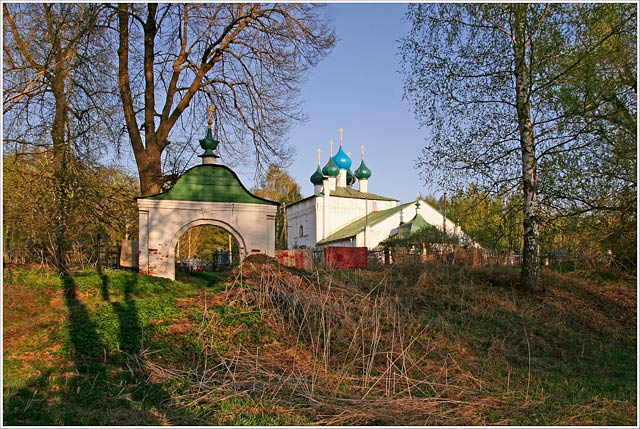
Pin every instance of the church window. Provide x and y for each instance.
(301, 231)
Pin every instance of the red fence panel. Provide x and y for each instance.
(346, 257)
(299, 258)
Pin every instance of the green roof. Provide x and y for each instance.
(413, 226)
(347, 193)
(352, 193)
(210, 183)
(358, 225)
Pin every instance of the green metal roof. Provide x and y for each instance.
(357, 226)
(347, 193)
(413, 226)
(210, 183)
(352, 193)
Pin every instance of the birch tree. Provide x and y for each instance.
(484, 80)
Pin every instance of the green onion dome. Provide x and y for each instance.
(350, 178)
(209, 144)
(331, 169)
(317, 177)
(342, 160)
(363, 171)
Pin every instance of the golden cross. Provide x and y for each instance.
(330, 147)
(362, 147)
(318, 156)
(340, 136)
(210, 121)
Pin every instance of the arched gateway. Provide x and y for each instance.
(208, 194)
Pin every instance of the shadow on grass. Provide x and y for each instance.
(100, 387)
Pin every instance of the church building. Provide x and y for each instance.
(338, 214)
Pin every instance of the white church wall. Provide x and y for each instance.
(434, 217)
(379, 232)
(302, 214)
(343, 211)
(319, 220)
(349, 242)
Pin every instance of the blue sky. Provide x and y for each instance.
(358, 87)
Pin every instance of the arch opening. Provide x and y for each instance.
(206, 248)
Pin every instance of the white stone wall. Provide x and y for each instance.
(163, 222)
(378, 232)
(322, 216)
(302, 214)
(342, 211)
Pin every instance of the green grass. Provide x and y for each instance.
(81, 371)
(118, 348)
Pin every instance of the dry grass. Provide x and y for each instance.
(350, 357)
(414, 345)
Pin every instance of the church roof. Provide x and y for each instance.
(210, 183)
(413, 226)
(353, 193)
(357, 226)
(347, 193)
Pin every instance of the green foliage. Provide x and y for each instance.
(495, 222)
(38, 278)
(420, 238)
(279, 186)
(598, 95)
(205, 242)
(98, 203)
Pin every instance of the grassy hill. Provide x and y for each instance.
(268, 345)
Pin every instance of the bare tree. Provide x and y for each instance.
(56, 96)
(247, 60)
(57, 85)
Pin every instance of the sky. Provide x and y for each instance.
(358, 87)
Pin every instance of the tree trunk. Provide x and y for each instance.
(148, 159)
(59, 127)
(530, 252)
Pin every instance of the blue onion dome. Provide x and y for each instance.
(363, 171)
(331, 169)
(317, 177)
(350, 178)
(342, 160)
